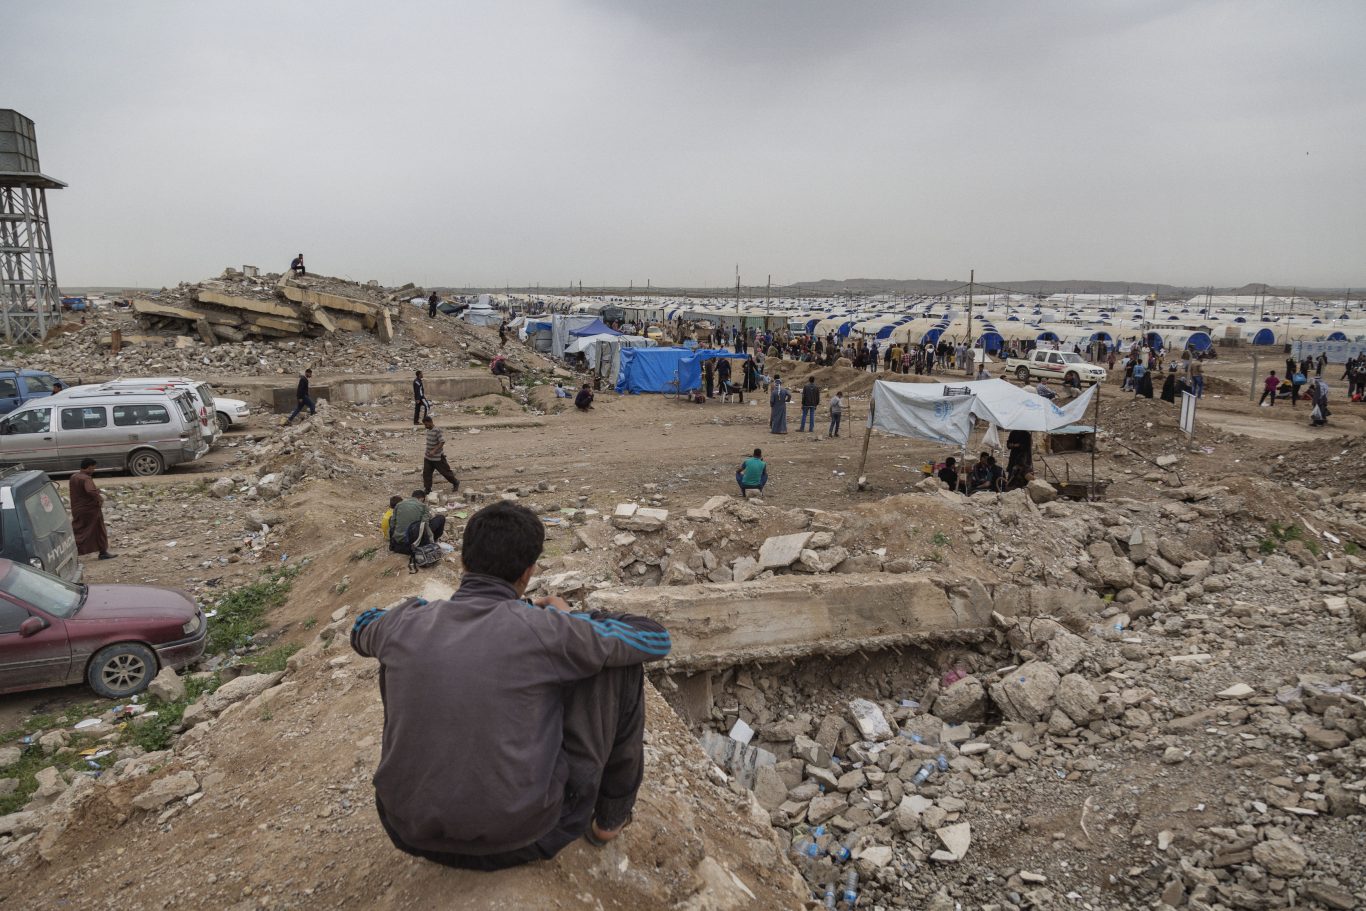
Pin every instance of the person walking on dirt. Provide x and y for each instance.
(431, 304)
(87, 513)
(302, 398)
(1197, 379)
(811, 397)
(503, 334)
(836, 412)
(459, 783)
(420, 404)
(1269, 387)
(434, 457)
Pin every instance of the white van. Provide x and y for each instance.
(201, 394)
(143, 431)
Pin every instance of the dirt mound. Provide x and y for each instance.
(840, 379)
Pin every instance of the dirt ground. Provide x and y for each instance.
(287, 820)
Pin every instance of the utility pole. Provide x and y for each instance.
(972, 277)
(768, 304)
(737, 289)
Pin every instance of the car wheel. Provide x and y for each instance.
(146, 462)
(1022, 373)
(120, 671)
(224, 422)
(1071, 376)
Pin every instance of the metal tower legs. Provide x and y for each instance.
(29, 296)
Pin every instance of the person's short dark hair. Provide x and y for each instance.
(950, 462)
(984, 455)
(758, 453)
(87, 463)
(419, 494)
(428, 420)
(395, 500)
(419, 373)
(502, 540)
(308, 372)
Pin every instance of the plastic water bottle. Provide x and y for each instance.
(805, 850)
(923, 775)
(942, 762)
(850, 894)
(840, 853)
(830, 896)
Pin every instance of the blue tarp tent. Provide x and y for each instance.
(597, 327)
(665, 369)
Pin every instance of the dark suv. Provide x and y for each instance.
(34, 526)
(18, 386)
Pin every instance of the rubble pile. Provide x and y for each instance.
(913, 772)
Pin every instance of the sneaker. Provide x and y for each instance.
(106, 555)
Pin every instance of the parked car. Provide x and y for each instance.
(1058, 365)
(200, 393)
(230, 413)
(142, 431)
(34, 525)
(18, 386)
(114, 637)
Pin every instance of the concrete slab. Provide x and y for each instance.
(720, 624)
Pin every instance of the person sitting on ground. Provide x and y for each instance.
(297, 265)
(998, 475)
(410, 516)
(949, 473)
(560, 391)
(1071, 386)
(979, 478)
(982, 372)
(511, 729)
(387, 520)
(584, 400)
(1043, 390)
(753, 473)
(499, 366)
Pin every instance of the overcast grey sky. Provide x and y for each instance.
(1210, 141)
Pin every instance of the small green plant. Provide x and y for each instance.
(272, 659)
(1267, 546)
(365, 554)
(936, 556)
(940, 539)
(156, 733)
(1312, 546)
(310, 622)
(490, 410)
(241, 612)
(1351, 549)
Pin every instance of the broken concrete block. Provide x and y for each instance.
(957, 838)
(1026, 693)
(872, 724)
(963, 700)
(1041, 491)
(782, 550)
(738, 759)
(165, 790)
(744, 569)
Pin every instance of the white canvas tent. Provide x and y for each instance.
(943, 412)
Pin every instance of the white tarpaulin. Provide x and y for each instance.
(940, 411)
(608, 346)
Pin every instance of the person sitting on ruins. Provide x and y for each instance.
(511, 729)
(949, 473)
(386, 521)
(405, 529)
(584, 400)
(980, 477)
(1043, 390)
(753, 473)
(297, 266)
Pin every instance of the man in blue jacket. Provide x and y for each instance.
(510, 728)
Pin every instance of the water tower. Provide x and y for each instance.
(29, 298)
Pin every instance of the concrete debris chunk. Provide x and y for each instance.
(1026, 693)
(872, 724)
(957, 838)
(165, 790)
(782, 550)
(1237, 691)
(739, 760)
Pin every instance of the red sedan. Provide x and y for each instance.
(114, 637)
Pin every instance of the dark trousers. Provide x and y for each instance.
(740, 479)
(437, 466)
(420, 410)
(304, 402)
(1265, 393)
(604, 732)
(834, 424)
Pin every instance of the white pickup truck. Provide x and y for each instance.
(1058, 365)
